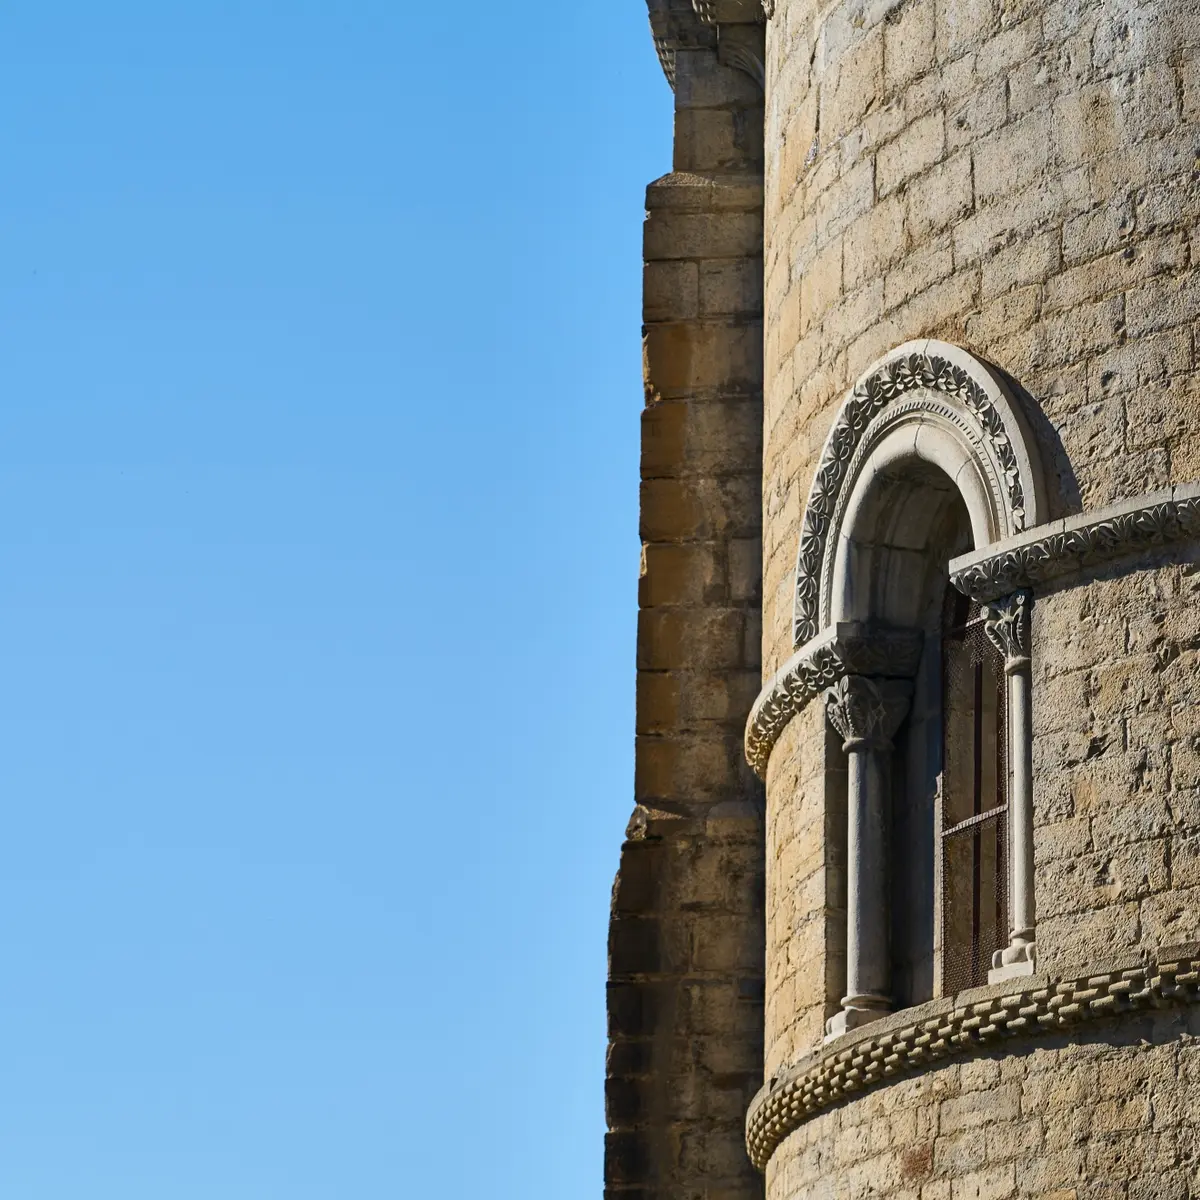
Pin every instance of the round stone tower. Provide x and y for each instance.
(947, 911)
(981, 721)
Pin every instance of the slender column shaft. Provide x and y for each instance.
(1007, 624)
(1021, 804)
(867, 713)
(868, 977)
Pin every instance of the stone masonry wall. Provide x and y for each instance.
(686, 941)
(1018, 177)
(1117, 761)
(1110, 1114)
(1014, 176)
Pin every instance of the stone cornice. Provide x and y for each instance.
(1062, 548)
(918, 1039)
(725, 25)
(849, 648)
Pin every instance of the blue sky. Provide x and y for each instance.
(320, 382)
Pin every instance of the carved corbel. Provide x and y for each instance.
(742, 47)
(739, 25)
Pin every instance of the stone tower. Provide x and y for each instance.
(910, 900)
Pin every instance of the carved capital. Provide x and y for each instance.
(848, 648)
(867, 712)
(1006, 623)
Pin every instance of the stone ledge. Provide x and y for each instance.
(1062, 548)
(916, 1039)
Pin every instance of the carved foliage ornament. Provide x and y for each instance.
(870, 396)
(1066, 546)
(848, 649)
(1006, 623)
(867, 712)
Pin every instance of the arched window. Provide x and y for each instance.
(927, 459)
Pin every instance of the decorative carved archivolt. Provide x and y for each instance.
(846, 649)
(924, 408)
(931, 367)
(920, 1038)
(1062, 548)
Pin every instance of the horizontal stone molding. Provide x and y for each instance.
(848, 648)
(918, 1039)
(1062, 548)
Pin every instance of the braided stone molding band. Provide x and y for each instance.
(918, 1038)
(913, 366)
(849, 648)
(1061, 548)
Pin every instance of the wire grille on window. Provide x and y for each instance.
(974, 836)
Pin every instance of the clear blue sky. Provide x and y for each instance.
(320, 380)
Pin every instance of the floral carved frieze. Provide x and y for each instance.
(1061, 548)
(907, 370)
(919, 1039)
(850, 648)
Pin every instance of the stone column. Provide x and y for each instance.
(866, 712)
(1007, 625)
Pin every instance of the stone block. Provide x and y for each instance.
(908, 36)
(940, 197)
(912, 152)
(670, 291)
(673, 235)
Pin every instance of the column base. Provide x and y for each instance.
(857, 1011)
(1014, 961)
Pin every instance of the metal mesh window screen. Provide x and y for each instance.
(974, 833)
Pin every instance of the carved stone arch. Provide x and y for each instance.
(925, 400)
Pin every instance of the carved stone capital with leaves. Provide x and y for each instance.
(867, 712)
(1006, 623)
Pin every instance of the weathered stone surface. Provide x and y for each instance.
(686, 938)
(1018, 178)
